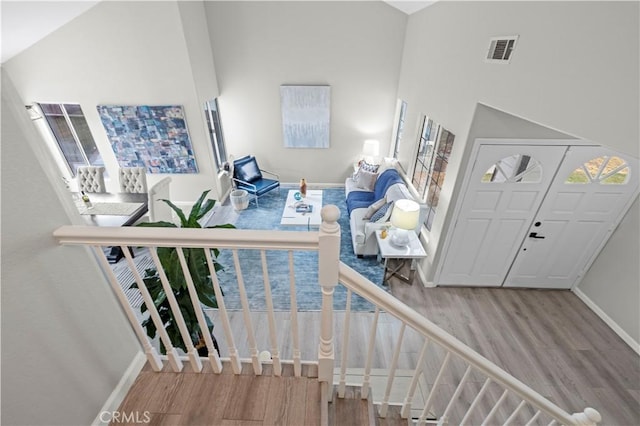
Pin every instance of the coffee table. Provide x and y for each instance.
(293, 218)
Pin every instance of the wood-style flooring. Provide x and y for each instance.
(549, 340)
(205, 398)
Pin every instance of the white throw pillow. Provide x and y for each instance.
(366, 180)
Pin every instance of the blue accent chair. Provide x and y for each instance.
(248, 176)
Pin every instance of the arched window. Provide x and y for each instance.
(601, 170)
(517, 168)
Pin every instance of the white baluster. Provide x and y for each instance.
(476, 400)
(589, 417)
(328, 263)
(194, 359)
(214, 358)
(406, 406)
(236, 365)
(384, 406)
(295, 336)
(152, 355)
(513, 415)
(427, 404)
(172, 354)
(533, 419)
(246, 312)
(495, 408)
(366, 380)
(455, 395)
(275, 354)
(342, 385)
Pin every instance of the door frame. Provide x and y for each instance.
(459, 197)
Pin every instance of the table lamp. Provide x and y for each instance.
(371, 151)
(405, 217)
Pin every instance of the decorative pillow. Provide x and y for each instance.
(249, 171)
(373, 168)
(374, 208)
(366, 180)
(382, 215)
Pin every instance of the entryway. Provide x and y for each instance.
(536, 215)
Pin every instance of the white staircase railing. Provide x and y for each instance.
(516, 403)
(500, 399)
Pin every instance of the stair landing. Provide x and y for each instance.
(188, 398)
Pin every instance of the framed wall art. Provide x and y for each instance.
(305, 116)
(154, 137)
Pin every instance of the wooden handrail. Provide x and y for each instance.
(220, 238)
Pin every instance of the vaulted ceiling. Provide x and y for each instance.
(26, 22)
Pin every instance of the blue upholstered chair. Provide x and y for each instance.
(248, 176)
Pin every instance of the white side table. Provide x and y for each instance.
(401, 255)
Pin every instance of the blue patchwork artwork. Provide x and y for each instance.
(305, 116)
(154, 137)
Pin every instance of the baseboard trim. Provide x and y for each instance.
(423, 279)
(608, 320)
(121, 389)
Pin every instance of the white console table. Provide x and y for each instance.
(399, 255)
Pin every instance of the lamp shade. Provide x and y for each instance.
(371, 148)
(406, 214)
(405, 217)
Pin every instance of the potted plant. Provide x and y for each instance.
(199, 270)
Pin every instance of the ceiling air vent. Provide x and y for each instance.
(501, 48)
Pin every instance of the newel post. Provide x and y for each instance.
(328, 262)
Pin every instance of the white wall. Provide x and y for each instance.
(355, 47)
(613, 281)
(60, 319)
(575, 69)
(128, 53)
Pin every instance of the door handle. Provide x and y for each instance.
(535, 235)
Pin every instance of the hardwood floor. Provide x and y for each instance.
(548, 339)
(188, 398)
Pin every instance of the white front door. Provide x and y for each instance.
(503, 193)
(592, 190)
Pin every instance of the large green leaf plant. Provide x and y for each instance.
(199, 270)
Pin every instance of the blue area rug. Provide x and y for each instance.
(309, 295)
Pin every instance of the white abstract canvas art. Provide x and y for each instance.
(305, 116)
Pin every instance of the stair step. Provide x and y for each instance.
(352, 409)
(393, 417)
